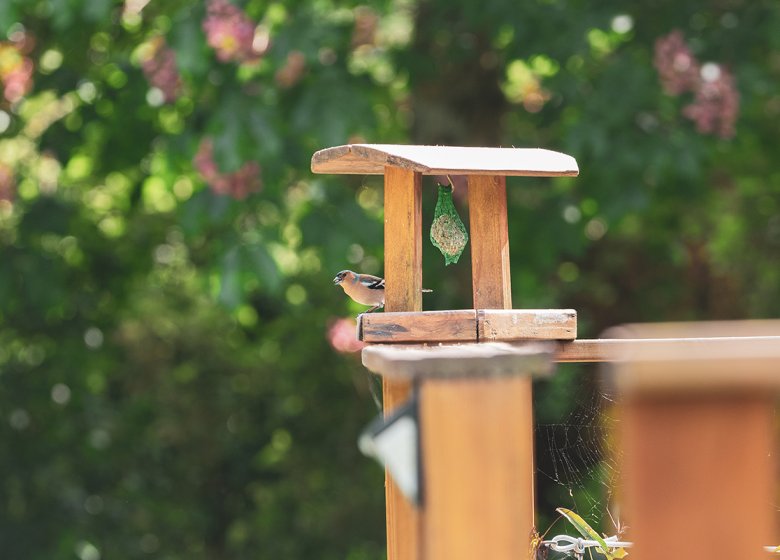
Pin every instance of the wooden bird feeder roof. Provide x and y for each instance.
(371, 159)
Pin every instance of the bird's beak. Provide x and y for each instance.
(337, 280)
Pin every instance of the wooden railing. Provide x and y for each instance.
(695, 423)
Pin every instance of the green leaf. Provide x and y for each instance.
(187, 40)
(98, 10)
(587, 531)
(230, 279)
(261, 263)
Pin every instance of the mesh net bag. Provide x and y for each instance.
(448, 234)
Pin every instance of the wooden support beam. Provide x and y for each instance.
(600, 350)
(513, 463)
(585, 350)
(697, 435)
(491, 282)
(622, 349)
(477, 432)
(469, 325)
(403, 292)
(403, 240)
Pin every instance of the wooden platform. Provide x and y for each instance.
(468, 325)
(400, 360)
(458, 360)
(371, 159)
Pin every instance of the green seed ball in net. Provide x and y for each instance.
(449, 236)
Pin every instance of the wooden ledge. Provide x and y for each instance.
(458, 360)
(371, 159)
(704, 366)
(468, 325)
(655, 363)
(711, 357)
(625, 350)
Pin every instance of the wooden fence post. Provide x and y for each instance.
(474, 461)
(477, 432)
(697, 435)
(481, 504)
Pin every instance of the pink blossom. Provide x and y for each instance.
(716, 106)
(677, 68)
(16, 72)
(239, 184)
(230, 32)
(160, 69)
(342, 336)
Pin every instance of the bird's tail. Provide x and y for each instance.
(427, 291)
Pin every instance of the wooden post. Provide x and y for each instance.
(491, 283)
(698, 476)
(477, 432)
(485, 425)
(697, 436)
(403, 292)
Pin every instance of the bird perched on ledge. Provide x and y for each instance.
(363, 288)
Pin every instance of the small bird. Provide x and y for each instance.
(363, 288)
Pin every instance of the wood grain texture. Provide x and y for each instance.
(426, 326)
(403, 292)
(478, 432)
(402, 518)
(484, 359)
(698, 476)
(403, 240)
(372, 159)
(620, 350)
(733, 356)
(585, 350)
(697, 329)
(697, 434)
(762, 374)
(477, 460)
(491, 282)
(468, 325)
(518, 324)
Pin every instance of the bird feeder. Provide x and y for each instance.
(471, 369)
(476, 425)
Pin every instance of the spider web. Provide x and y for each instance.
(576, 456)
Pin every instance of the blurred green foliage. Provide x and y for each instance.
(167, 388)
